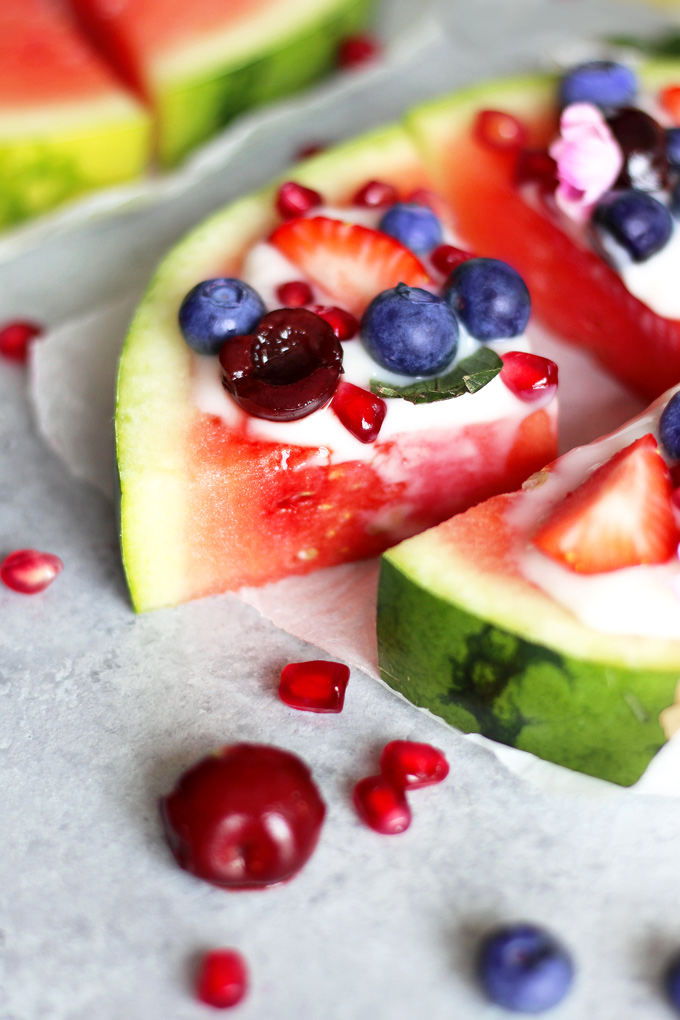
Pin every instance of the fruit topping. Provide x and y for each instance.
(375, 195)
(316, 686)
(669, 428)
(294, 294)
(215, 310)
(409, 765)
(499, 130)
(350, 262)
(669, 99)
(445, 258)
(410, 331)
(287, 369)
(602, 82)
(293, 200)
(673, 148)
(468, 375)
(536, 166)
(621, 516)
(356, 50)
(414, 226)
(381, 805)
(588, 157)
(636, 221)
(529, 376)
(643, 144)
(490, 298)
(222, 980)
(361, 412)
(343, 323)
(15, 338)
(245, 817)
(29, 571)
(524, 969)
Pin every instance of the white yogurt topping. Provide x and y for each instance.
(655, 282)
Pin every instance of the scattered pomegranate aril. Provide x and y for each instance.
(245, 817)
(446, 257)
(294, 294)
(222, 980)
(29, 571)
(315, 686)
(376, 194)
(381, 805)
(361, 412)
(669, 99)
(499, 130)
(536, 166)
(344, 324)
(307, 151)
(15, 338)
(293, 200)
(529, 376)
(357, 50)
(410, 765)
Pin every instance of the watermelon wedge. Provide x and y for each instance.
(210, 503)
(581, 670)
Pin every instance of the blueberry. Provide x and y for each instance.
(602, 82)
(524, 969)
(215, 310)
(673, 147)
(673, 981)
(410, 331)
(490, 298)
(414, 226)
(635, 220)
(669, 427)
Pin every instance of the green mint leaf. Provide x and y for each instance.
(468, 376)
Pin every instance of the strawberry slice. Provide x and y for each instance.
(350, 262)
(621, 516)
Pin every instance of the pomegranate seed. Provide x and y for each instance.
(294, 200)
(529, 376)
(294, 294)
(409, 765)
(310, 150)
(316, 686)
(499, 130)
(15, 338)
(381, 805)
(669, 98)
(222, 979)
(361, 412)
(536, 166)
(357, 50)
(376, 194)
(445, 258)
(343, 323)
(30, 571)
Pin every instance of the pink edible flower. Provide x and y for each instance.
(588, 158)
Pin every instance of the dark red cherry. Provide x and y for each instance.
(376, 194)
(244, 818)
(287, 369)
(293, 200)
(294, 294)
(343, 323)
(315, 686)
(410, 765)
(446, 257)
(529, 376)
(222, 980)
(381, 805)
(643, 143)
(360, 411)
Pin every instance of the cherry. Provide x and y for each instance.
(343, 323)
(529, 376)
(287, 369)
(244, 818)
(409, 765)
(445, 258)
(315, 686)
(499, 130)
(357, 50)
(293, 200)
(381, 805)
(15, 338)
(29, 571)
(222, 979)
(294, 294)
(361, 412)
(376, 194)
(669, 98)
(536, 166)
(643, 143)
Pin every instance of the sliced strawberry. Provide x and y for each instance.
(350, 262)
(621, 516)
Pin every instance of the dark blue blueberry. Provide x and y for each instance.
(490, 298)
(637, 221)
(669, 427)
(410, 331)
(673, 147)
(673, 981)
(602, 82)
(414, 226)
(215, 310)
(524, 969)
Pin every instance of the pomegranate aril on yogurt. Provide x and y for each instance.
(381, 805)
(344, 324)
(294, 294)
(360, 411)
(315, 686)
(29, 571)
(357, 50)
(15, 338)
(376, 195)
(499, 130)
(529, 376)
(410, 765)
(294, 200)
(222, 979)
(446, 257)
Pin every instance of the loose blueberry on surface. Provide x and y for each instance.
(529, 376)
(490, 298)
(602, 82)
(294, 294)
(222, 980)
(315, 686)
(446, 257)
(634, 219)
(673, 147)
(376, 195)
(410, 765)
(342, 322)
(381, 805)
(215, 310)
(293, 200)
(15, 339)
(357, 50)
(29, 571)
(410, 331)
(287, 369)
(524, 969)
(244, 818)
(669, 427)
(360, 411)
(643, 144)
(414, 226)
(499, 130)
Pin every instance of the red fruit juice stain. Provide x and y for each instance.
(294, 294)
(315, 686)
(360, 411)
(222, 980)
(410, 765)
(293, 200)
(381, 805)
(29, 571)
(343, 323)
(16, 337)
(376, 195)
(529, 376)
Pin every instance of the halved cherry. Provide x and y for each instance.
(529, 376)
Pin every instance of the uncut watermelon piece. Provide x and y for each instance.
(462, 632)
(66, 124)
(208, 507)
(199, 64)
(574, 292)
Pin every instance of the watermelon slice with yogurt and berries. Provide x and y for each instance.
(549, 619)
(211, 500)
